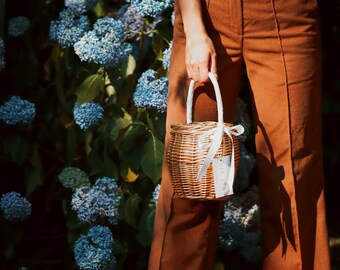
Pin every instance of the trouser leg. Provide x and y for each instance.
(282, 55)
(185, 231)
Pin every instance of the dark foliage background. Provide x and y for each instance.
(42, 241)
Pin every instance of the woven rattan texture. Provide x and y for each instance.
(185, 160)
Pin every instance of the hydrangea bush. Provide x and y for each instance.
(82, 112)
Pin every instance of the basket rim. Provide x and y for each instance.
(197, 124)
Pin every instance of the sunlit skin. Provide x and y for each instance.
(200, 51)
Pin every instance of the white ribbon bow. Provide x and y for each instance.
(217, 135)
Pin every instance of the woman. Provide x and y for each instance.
(278, 42)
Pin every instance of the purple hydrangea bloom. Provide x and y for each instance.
(151, 92)
(134, 24)
(69, 28)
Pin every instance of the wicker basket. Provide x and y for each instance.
(192, 148)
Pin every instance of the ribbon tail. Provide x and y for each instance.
(216, 142)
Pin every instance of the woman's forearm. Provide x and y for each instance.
(191, 12)
(200, 57)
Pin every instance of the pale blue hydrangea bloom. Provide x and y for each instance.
(17, 111)
(166, 56)
(93, 251)
(69, 28)
(18, 25)
(80, 6)
(2, 54)
(240, 227)
(151, 8)
(173, 18)
(14, 207)
(151, 92)
(155, 194)
(104, 45)
(73, 178)
(87, 114)
(100, 200)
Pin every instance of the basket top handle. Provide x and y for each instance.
(218, 99)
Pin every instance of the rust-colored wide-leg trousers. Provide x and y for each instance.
(278, 42)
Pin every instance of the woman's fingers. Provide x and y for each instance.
(200, 59)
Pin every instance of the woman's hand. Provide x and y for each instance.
(200, 51)
(200, 57)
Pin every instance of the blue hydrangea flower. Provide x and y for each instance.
(18, 25)
(151, 92)
(240, 227)
(155, 194)
(166, 57)
(151, 8)
(104, 45)
(14, 207)
(101, 237)
(80, 6)
(100, 200)
(94, 250)
(134, 22)
(87, 114)
(73, 178)
(69, 28)
(17, 111)
(2, 54)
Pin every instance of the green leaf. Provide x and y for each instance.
(157, 46)
(125, 92)
(118, 119)
(110, 168)
(164, 29)
(129, 66)
(131, 209)
(133, 136)
(152, 158)
(34, 172)
(17, 148)
(144, 236)
(90, 88)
